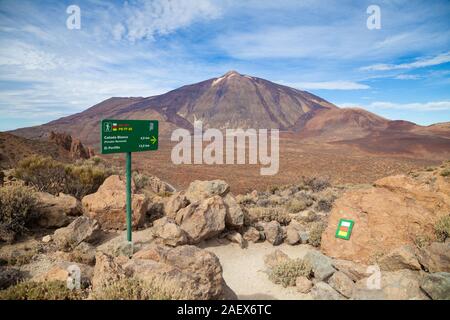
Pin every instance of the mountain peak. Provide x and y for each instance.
(232, 73)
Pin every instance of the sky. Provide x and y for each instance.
(143, 48)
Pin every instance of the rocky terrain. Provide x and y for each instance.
(185, 243)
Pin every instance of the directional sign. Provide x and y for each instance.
(118, 136)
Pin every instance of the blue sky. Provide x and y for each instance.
(143, 48)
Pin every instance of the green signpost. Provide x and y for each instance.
(127, 136)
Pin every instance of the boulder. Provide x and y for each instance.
(321, 265)
(158, 186)
(176, 202)
(83, 253)
(276, 257)
(292, 235)
(394, 285)
(390, 214)
(403, 257)
(81, 229)
(59, 271)
(204, 220)
(252, 235)
(273, 233)
(170, 233)
(118, 246)
(437, 285)
(304, 236)
(323, 291)
(235, 216)
(108, 205)
(342, 283)
(303, 284)
(107, 270)
(200, 190)
(354, 271)
(435, 257)
(54, 212)
(236, 237)
(46, 239)
(184, 272)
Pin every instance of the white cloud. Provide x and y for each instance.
(408, 77)
(421, 63)
(145, 19)
(415, 106)
(19, 54)
(329, 85)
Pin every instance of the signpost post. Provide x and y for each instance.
(127, 136)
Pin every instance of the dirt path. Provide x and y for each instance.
(244, 270)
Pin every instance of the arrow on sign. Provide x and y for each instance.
(153, 140)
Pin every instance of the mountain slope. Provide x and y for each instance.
(230, 101)
(241, 101)
(14, 148)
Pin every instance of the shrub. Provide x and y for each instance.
(442, 228)
(445, 172)
(297, 205)
(50, 290)
(315, 233)
(130, 289)
(140, 180)
(246, 199)
(267, 214)
(317, 183)
(84, 179)
(422, 241)
(285, 273)
(273, 189)
(325, 201)
(16, 205)
(46, 174)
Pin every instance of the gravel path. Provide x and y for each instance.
(244, 270)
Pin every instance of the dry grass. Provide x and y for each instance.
(286, 273)
(16, 210)
(51, 290)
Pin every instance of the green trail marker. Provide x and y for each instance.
(344, 229)
(127, 136)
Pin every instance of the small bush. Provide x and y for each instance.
(442, 228)
(297, 205)
(422, 241)
(325, 201)
(16, 207)
(273, 189)
(48, 175)
(130, 289)
(246, 199)
(140, 180)
(286, 273)
(51, 290)
(317, 184)
(315, 234)
(445, 172)
(267, 214)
